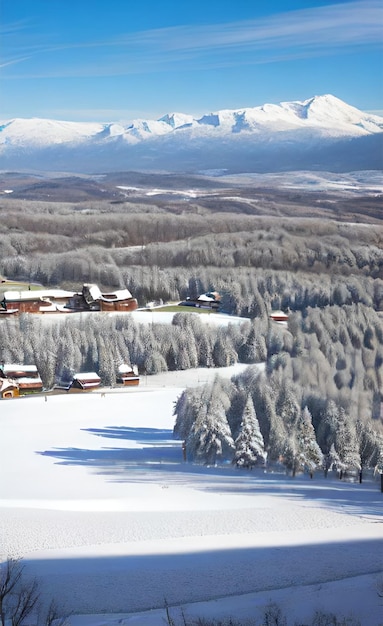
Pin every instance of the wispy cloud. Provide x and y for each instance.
(295, 34)
(358, 22)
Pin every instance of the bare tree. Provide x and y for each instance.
(20, 599)
(18, 595)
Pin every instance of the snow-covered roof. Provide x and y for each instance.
(121, 294)
(37, 294)
(25, 380)
(205, 298)
(16, 367)
(124, 369)
(279, 314)
(6, 383)
(89, 376)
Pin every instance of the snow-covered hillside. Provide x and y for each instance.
(322, 132)
(97, 499)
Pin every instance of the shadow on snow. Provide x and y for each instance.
(157, 452)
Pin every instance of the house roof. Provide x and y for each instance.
(121, 294)
(19, 296)
(124, 369)
(210, 296)
(87, 377)
(5, 384)
(16, 367)
(93, 293)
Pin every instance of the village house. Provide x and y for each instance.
(91, 299)
(127, 375)
(210, 300)
(26, 377)
(8, 388)
(83, 381)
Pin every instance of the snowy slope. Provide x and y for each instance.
(288, 136)
(98, 501)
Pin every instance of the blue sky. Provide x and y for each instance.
(116, 60)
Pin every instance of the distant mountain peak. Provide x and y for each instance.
(176, 120)
(322, 132)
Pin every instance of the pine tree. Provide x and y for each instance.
(331, 460)
(249, 445)
(346, 442)
(187, 408)
(223, 351)
(249, 351)
(288, 404)
(367, 443)
(327, 426)
(210, 438)
(155, 363)
(302, 451)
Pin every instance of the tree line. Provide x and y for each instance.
(99, 342)
(316, 403)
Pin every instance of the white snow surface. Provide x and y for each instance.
(96, 497)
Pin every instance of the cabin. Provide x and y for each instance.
(26, 377)
(8, 388)
(128, 376)
(91, 299)
(83, 381)
(210, 300)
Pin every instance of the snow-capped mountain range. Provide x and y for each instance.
(321, 133)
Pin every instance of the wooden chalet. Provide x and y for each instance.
(26, 377)
(128, 376)
(83, 381)
(91, 299)
(8, 388)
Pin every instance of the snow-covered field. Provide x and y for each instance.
(96, 498)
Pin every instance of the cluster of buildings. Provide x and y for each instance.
(90, 298)
(19, 380)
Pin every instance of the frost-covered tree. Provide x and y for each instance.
(288, 404)
(107, 367)
(367, 440)
(210, 439)
(327, 427)
(379, 454)
(155, 363)
(331, 461)
(249, 445)
(252, 350)
(302, 451)
(186, 409)
(223, 351)
(346, 443)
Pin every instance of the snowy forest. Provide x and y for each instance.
(317, 400)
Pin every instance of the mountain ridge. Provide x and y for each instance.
(320, 131)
